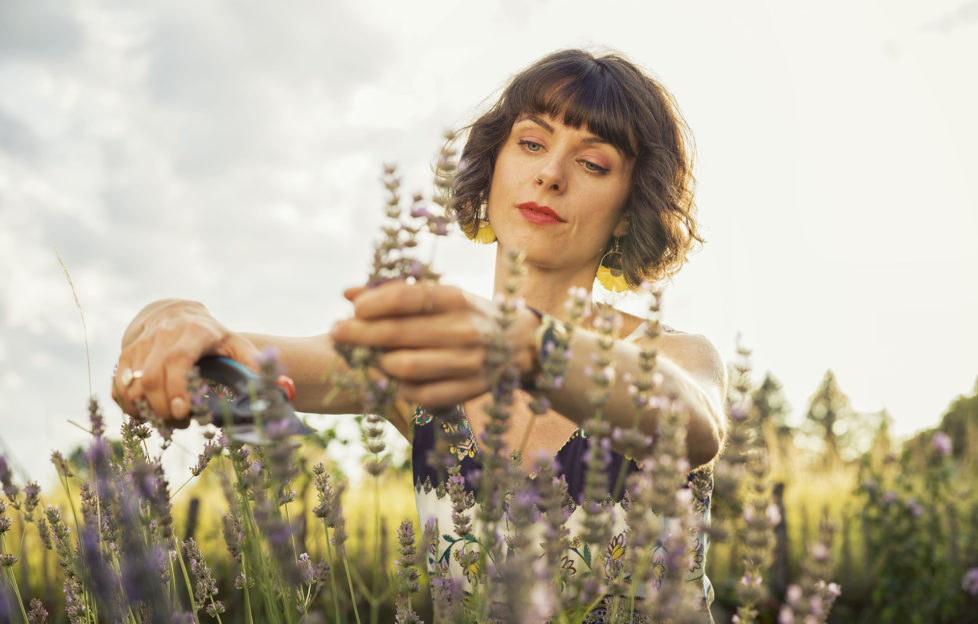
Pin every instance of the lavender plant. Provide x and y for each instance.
(500, 477)
(760, 515)
(811, 600)
(393, 259)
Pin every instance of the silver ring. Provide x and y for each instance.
(129, 375)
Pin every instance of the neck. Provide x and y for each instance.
(542, 288)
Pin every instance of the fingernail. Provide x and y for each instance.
(178, 407)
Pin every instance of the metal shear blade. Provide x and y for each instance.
(244, 417)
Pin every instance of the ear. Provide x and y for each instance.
(622, 227)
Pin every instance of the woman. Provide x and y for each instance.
(581, 161)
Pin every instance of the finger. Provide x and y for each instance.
(117, 391)
(175, 396)
(146, 413)
(443, 393)
(125, 393)
(240, 350)
(164, 380)
(427, 365)
(350, 294)
(399, 298)
(436, 331)
(183, 356)
(151, 388)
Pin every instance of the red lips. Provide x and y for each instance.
(539, 215)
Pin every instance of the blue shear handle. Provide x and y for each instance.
(227, 372)
(240, 411)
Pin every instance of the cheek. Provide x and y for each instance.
(502, 179)
(609, 203)
(495, 192)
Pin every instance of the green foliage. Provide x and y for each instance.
(960, 423)
(828, 417)
(904, 516)
(918, 525)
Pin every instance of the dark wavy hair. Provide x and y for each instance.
(619, 103)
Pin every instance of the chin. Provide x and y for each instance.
(543, 257)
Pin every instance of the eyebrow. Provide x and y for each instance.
(549, 128)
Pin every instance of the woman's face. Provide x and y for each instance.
(558, 193)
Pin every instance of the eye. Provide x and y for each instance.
(593, 167)
(530, 146)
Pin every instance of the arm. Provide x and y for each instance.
(167, 337)
(313, 363)
(436, 340)
(692, 373)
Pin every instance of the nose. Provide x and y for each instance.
(551, 175)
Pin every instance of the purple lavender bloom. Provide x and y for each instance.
(60, 463)
(820, 552)
(942, 444)
(38, 614)
(773, 515)
(267, 356)
(440, 227)
(786, 615)
(415, 268)
(970, 582)
(100, 579)
(6, 478)
(794, 595)
(306, 572)
(31, 496)
(739, 412)
(98, 455)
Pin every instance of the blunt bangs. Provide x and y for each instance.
(579, 92)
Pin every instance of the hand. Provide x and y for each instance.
(435, 338)
(164, 342)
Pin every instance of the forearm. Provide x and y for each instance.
(698, 397)
(312, 363)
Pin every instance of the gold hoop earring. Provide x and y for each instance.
(610, 274)
(483, 232)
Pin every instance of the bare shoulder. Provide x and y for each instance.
(694, 353)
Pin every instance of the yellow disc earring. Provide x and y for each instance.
(483, 233)
(610, 274)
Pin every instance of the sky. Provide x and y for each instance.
(230, 153)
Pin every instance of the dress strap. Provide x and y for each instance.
(632, 337)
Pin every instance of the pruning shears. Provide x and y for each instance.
(244, 416)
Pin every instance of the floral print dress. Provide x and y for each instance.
(433, 502)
